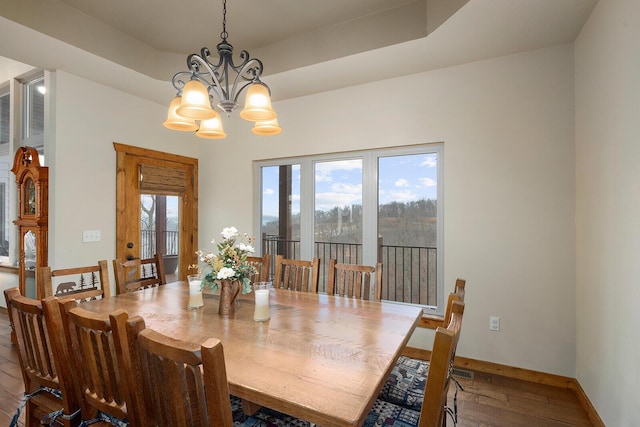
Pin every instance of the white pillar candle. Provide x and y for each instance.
(261, 311)
(195, 294)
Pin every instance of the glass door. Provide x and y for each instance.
(160, 232)
(280, 212)
(337, 214)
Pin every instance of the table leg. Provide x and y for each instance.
(250, 408)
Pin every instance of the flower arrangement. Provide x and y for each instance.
(231, 261)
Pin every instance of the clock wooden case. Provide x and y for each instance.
(32, 180)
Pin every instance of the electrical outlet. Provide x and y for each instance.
(494, 323)
(90, 236)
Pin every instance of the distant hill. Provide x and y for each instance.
(267, 219)
(412, 223)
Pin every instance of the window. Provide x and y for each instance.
(5, 173)
(33, 113)
(408, 227)
(5, 103)
(280, 213)
(361, 208)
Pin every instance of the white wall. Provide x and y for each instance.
(608, 210)
(82, 162)
(507, 126)
(9, 69)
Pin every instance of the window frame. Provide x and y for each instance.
(6, 182)
(369, 202)
(26, 139)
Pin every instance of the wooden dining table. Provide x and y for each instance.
(320, 358)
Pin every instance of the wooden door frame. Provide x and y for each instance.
(127, 188)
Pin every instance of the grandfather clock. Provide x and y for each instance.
(33, 218)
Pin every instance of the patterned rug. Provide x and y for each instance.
(385, 414)
(265, 417)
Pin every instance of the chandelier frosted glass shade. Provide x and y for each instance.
(177, 122)
(266, 128)
(211, 128)
(257, 105)
(195, 102)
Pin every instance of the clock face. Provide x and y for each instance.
(29, 197)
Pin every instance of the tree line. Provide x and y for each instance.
(399, 223)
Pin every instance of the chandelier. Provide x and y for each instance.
(209, 83)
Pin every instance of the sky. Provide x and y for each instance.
(339, 183)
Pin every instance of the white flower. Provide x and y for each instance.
(226, 273)
(229, 233)
(246, 248)
(203, 256)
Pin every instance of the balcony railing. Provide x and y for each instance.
(148, 243)
(409, 272)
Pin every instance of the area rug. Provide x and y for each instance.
(265, 417)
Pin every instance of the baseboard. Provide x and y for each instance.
(586, 404)
(519, 374)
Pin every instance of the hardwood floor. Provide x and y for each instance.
(487, 399)
(11, 384)
(493, 400)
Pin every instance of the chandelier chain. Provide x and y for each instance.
(224, 34)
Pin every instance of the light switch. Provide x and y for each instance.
(90, 236)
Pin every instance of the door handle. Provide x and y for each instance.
(130, 245)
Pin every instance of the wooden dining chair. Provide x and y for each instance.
(103, 380)
(296, 274)
(136, 274)
(432, 408)
(81, 283)
(355, 280)
(180, 383)
(405, 384)
(48, 382)
(262, 265)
